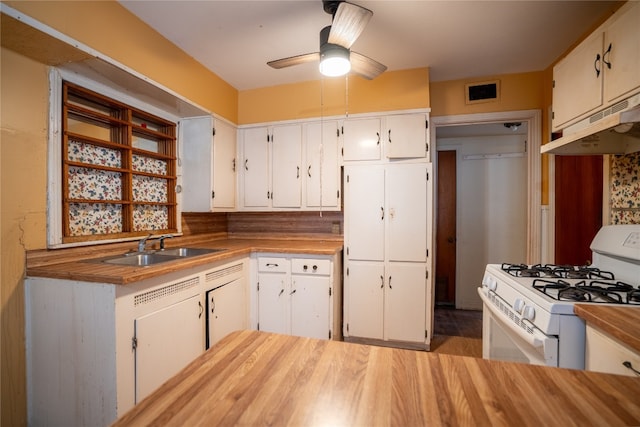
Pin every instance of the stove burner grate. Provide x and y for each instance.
(557, 271)
(594, 291)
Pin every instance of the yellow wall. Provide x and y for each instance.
(109, 28)
(523, 91)
(23, 151)
(393, 90)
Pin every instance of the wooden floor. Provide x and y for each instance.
(457, 332)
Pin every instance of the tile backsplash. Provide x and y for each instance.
(624, 188)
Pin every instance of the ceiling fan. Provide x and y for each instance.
(335, 56)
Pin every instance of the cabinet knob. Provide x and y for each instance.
(304, 267)
(315, 267)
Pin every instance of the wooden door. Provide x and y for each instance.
(446, 229)
(578, 207)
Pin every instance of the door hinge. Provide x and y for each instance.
(213, 131)
(427, 176)
(213, 194)
(258, 325)
(258, 286)
(426, 124)
(347, 327)
(342, 151)
(426, 146)
(338, 132)
(134, 343)
(347, 250)
(553, 84)
(426, 274)
(329, 333)
(347, 178)
(525, 146)
(342, 129)
(426, 333)
(347, 271)
(338, 193)
(427, 252)
(329, 290)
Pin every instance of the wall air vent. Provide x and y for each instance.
(165, 291)
(214, 275)
(482, 92)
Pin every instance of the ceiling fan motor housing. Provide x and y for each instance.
(330, 6)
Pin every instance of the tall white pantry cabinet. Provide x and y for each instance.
(388, 199)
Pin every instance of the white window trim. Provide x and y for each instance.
(54, 155)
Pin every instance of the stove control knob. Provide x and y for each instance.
(529, 313)
(491, 283)
(518, 305)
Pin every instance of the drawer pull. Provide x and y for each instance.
(270, 264)
(628, 365)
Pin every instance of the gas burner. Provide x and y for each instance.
(582, 272)
(593, 291)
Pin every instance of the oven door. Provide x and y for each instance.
(506, 337)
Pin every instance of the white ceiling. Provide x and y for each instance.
(455, 39)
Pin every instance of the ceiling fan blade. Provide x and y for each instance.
(348, 23)
(294, 60)
(365, 66)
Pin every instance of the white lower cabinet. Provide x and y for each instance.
(606, 354)
(298, 295)
(166, 341)
(226, 310)
(94, 350)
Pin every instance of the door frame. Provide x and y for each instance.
(533, 118)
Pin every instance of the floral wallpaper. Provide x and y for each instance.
(95, 184)
(86, 219)
(624, 188)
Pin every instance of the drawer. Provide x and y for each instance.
(274, 265)
(318, 267)
(606, 354)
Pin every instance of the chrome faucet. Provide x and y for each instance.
(161, 238)
(142, 243)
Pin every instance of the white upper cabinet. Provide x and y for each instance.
(255, 167)
(224, 165)
(286, 152)
(406, 136)
(600, 71)
(208, 164)
(323, 165)
(362, 139)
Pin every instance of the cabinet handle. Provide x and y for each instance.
(628, 365)
(233, 165)
(292, 292)
(389, 136)
(390, 283)
(281, 292)
(297, 172)
(382, 209)
(604, 57)
(246, 167)
(309, 171)
(271, 264)
(596, 65)
(381, 282)
(378, 133)
(213, 304)
(201, 309)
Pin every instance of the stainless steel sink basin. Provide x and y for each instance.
(187, 252)
(139, 259)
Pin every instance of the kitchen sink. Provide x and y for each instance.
(186, 252)
(143, 259)
(137, 259)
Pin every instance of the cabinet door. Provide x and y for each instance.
(255, 167)
(287, 159)
(167, 340)
(577, 86)
(272, 302)
(405, 302)
(323, 171)
(224, 170)
(226, 311)
(623, 36)
(406, 196)
(361, 139)
(364, 212)
(310, 306)
(406, 136)
(364, 288)
(196, 142)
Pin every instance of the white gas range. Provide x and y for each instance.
(528, 310)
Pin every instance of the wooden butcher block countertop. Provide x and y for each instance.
(257, 378)
(81, 266)
(623, 323)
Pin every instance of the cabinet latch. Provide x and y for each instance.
(134, 343)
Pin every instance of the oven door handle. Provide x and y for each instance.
(536, 339)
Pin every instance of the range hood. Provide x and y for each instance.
(615, 130)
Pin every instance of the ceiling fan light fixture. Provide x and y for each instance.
(334, 61)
